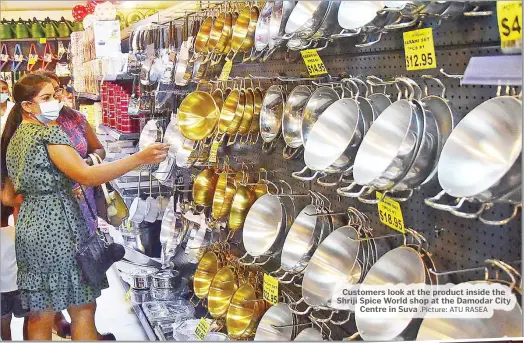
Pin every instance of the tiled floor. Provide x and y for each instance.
(113, 314)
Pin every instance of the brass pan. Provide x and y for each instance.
(247, 117)
(202, 37)
(249, 41)
(244, 312)
(220, 33)
(229, 110)
(223, 197)
(218, 95)
(242, 201)
(206, 270)
(239, 114)
(257, 106)
(198, 115)
(221, 291)
(204, 187)
(240, 30)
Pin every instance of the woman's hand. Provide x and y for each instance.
(155, 153)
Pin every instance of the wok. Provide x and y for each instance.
(278, 315)
(218, 96)
(204, 187)
(303, 237)
(292, 119)
(198, 115)
(221, 291)
(257, 107)
(271, 113)
(481, 158)
(403, 265)
(333, 263)
(243, 312)
(240, 206)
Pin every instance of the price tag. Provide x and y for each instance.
(202, 329)
(419, 49)
(48, 58)
(313, 62)
(127, 296)
(270, 293)
(214, 151)
(226, 70)
(509, 18)
(43, 40)
(390, 214)
(32, 59)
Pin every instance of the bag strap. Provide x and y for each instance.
(97, 160)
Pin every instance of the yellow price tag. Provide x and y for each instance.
(43, 40)
(32, 59)
(313, 62)
(390, 214)
(420, 49)
(226, 70)
(214, 152)
(202, 329)
(509, 18)
(127, 296)
(270, 293)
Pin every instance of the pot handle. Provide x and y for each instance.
(324, 46)
(293, 308)
(346, 33)
(374, 200)
(322, 320)
(298, 175)
(426, 78)
(343, 191)
(401, 199)
(256, 57)
(268, 147)
(366, 43)
(291, 153)
(342, 322)
(432, 202)
(470, 215)
(502, 221)
(329, 184)
(402, 25)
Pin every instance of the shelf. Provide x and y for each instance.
(118, 77)
(118, 136)
(89, 96)
(34, 39)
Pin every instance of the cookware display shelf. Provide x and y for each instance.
(455, 243)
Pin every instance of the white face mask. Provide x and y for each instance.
(4, 97)
(50, 111)
(60, 106)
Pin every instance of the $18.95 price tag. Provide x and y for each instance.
(419, 49)
(313, 62)
(509, 18)
(390, 213)
(270, 293)
(202, 329)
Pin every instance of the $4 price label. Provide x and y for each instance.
(202, 329)
(419, 49)
(313, 62)
(270, 292)
(390, 214)
(509, 18)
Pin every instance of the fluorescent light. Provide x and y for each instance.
(128, 4)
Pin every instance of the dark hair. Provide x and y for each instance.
(25, 89)
(48, 74)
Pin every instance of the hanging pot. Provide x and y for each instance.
(244, 312)
(204, 187)
(221, 291)
(223, 198)
(292, 119)
(242, 202)
(271, 115)
(270, 326)
(198, 115)
(205, 272)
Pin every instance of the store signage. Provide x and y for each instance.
(390, 213)
(509, 18)
(313, 62)
(420, 49)
(43, 40)
(214, 152)
(270, 293)
(202, 329)
(226, 70)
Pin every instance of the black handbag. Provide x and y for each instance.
(95, 255)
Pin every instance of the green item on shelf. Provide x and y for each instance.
(6, 29)
(134, 17)
(63, 28)
(77, 26)
(21, 29)
(37, 31)
(50, 28)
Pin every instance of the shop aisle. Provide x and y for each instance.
(113, 314)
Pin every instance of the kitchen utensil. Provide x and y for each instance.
(270, 326)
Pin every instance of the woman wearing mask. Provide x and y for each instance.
(5, 104)
(43, 165)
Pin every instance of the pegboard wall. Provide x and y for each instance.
(455, 243)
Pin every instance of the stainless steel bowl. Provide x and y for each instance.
(169, 279)
(292, 120)
(321, 99)
(271, 113)
(279, 315)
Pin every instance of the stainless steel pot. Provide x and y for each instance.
(279, 17)
(334, 263)
(292, 119)
(166, 279)
(271, 115)
(353, 15)
(321, 99)
(262, 30)
(140, 280)
(305, 19)
(329, 24)
(268, 329)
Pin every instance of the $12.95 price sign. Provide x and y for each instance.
(270, 292)
(509, 18)
(390, 213)
(419, 49)
(313, 62)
